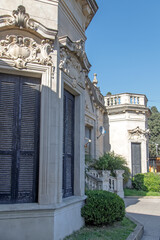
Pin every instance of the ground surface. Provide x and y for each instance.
(146, 211)
(118, 231)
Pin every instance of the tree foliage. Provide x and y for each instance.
(111, 161)
(108, 94)
(154, 127)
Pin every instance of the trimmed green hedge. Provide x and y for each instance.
(147, 182)
(102, 208)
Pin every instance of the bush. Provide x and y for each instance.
(111, 161)
(138, 182)
(147, 182)
(102, 208)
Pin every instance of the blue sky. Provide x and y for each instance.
(123, 46)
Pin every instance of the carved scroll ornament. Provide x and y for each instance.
(71, 66)
(78, 49)
(24, 50)
(21, 19)
(138, 133)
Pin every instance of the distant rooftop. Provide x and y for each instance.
(125, 99)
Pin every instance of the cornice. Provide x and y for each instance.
(90, 115)
(93, 94)
(72, 18)
(122, 108)
(89, 8)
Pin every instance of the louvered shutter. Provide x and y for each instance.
(29, 140)
(68, 145)
(8, 113)
(19, 138)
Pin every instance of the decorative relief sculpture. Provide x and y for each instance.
(24, 50)
(72, 67)
(138, 133)
(21, 18)
(78, 49)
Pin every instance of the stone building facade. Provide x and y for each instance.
(124, 118)
(43, 68)
(128, 129)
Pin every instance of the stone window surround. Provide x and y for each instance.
(44, 73)
(79, 133)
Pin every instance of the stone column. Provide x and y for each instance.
(119, 181)
(105, 178)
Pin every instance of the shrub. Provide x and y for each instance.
(102, 208)
(111, 161)
(138, 182)
(147, 182)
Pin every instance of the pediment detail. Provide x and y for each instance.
(138, 133)
(22, 20)
(78, 49)
(71, 66)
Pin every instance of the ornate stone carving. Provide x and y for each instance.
(78, 49)
(138, 133)
(24, 50)
(71, 66)
(22, 19)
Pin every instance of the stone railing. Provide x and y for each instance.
(102, 180)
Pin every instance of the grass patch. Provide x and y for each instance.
(119, 230)
(133, 192)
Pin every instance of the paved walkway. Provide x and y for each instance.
(146, 211)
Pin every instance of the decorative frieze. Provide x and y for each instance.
(23, 50)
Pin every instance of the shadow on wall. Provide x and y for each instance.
(107, 145)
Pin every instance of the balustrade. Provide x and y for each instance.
(102, 180)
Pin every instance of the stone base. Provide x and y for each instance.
(39, 222)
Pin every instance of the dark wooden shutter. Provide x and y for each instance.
(29, 139)
(8, 113)
(136, 158)
(19, 139)
(68, 145)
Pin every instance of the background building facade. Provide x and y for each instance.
(124, 117)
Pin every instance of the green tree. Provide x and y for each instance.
(154, 127)
(108, 94)
(111, 161)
